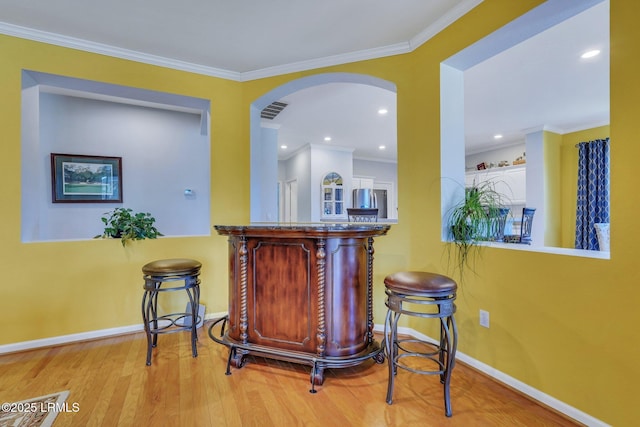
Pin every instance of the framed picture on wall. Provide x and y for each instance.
(77, 178)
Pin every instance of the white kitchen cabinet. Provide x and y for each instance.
(362, 183)
(511, 182)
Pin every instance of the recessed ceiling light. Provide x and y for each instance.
(383, 111)
(327, 138)
(284, 147)
(590, 54)
(382, 147)
(498, 136)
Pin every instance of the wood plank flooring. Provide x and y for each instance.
(112, 386)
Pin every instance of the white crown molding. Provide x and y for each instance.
(563, 131)
(362, 55)
(330, 147)
(328, 61)
(595, 124)
(443, 22)
(558, 130)
(541, 128)
(376, 159)
(494, 146)
(116, 52)
(288, 155)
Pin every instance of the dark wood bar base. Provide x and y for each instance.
(301, 293)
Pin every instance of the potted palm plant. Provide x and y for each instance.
(480, 217)
(126, 225)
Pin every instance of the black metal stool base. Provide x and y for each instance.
(424, 295)
(170, 275)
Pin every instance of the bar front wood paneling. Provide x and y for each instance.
(301, 293)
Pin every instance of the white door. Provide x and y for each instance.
(291, 201)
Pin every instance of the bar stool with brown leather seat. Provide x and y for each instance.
(427, 295)
(158, 277)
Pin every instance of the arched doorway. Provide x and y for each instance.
(267, 178)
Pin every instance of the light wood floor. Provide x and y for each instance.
(112, 386)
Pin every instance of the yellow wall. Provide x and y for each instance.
(53, 289)
(569, 160)
(553, 188)
(563, 325)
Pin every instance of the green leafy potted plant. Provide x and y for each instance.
(480, 217)
(126, 225)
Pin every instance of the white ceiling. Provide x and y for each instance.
(345, 112)
(242, 36)
(250, 39)
(541, 82)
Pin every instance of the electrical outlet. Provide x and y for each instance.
(484, 318)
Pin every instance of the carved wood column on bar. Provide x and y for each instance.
(322, 337)
(242, 252)
(301, 293)
(370, 252)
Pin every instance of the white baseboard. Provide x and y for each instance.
(83, 336)
(535, 394)
(541, 397)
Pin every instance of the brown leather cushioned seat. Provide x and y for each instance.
(172, 266)
(420, 282)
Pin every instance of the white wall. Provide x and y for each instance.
(163, 153)
(536, 185)
(264, 179)
(309, 166)
(380, 171)
(385, 175)
(305, 199)
(325, 160)
(298, 168)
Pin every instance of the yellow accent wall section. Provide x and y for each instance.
(55, 289)
(563, 325)
(553, 187)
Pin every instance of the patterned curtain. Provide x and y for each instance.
(593, 191)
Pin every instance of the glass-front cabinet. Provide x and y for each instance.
(332, 196)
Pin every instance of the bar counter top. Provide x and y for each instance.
(310, 229)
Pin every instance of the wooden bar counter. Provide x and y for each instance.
(301, 293)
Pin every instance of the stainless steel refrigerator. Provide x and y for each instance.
(364, 198)
(367, 198)
(381, 202)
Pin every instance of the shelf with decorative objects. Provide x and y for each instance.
(510, 181)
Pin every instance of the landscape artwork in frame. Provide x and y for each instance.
(77, 178)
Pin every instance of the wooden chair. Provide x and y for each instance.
(362, 215)
(525, 228)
